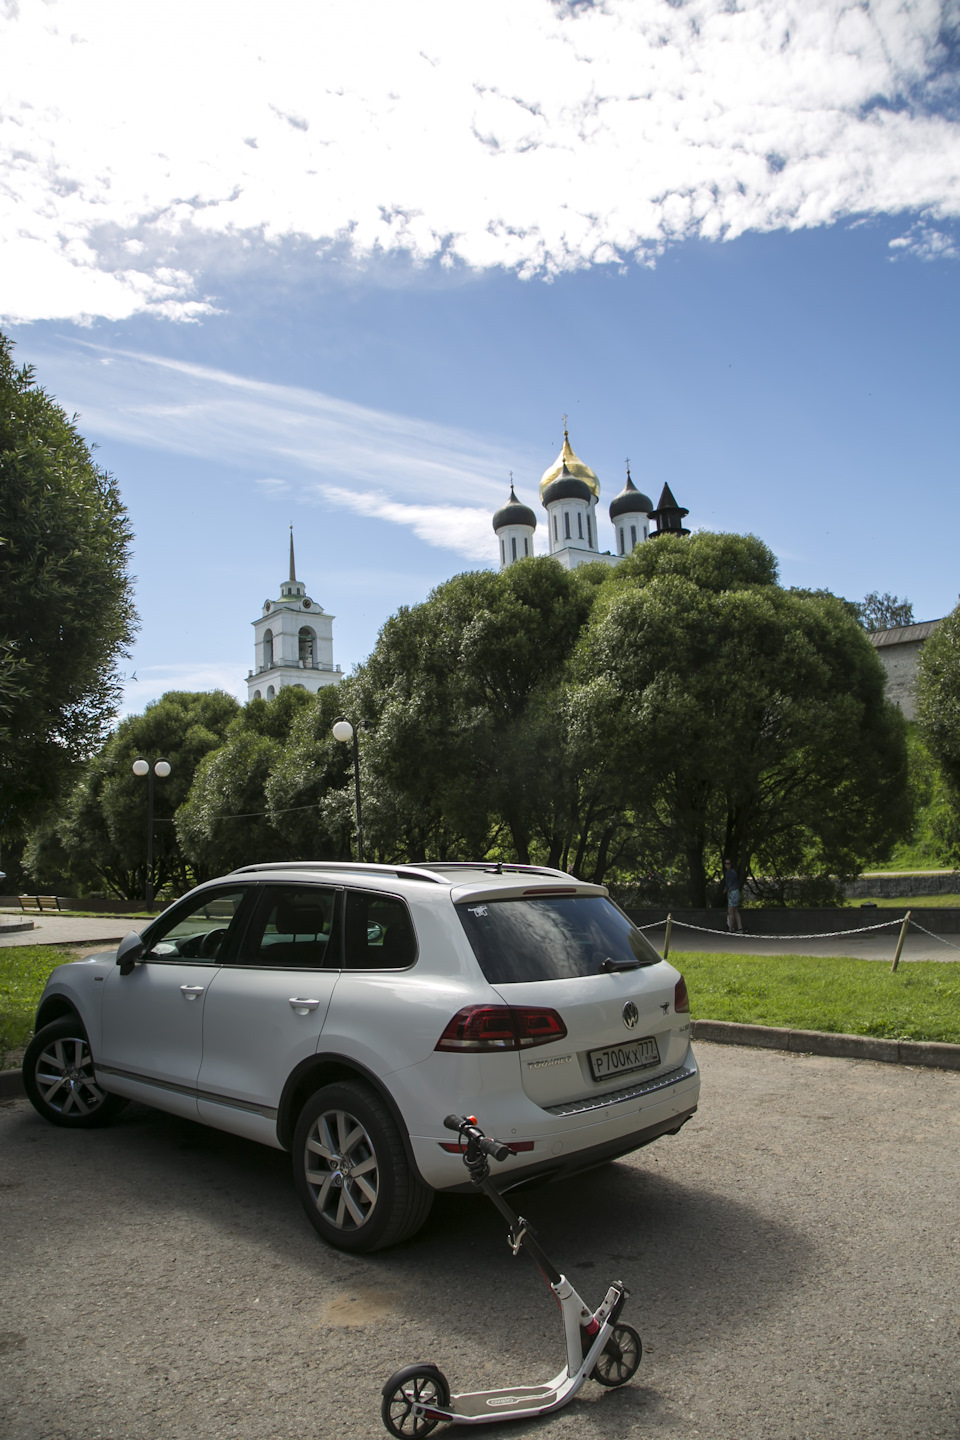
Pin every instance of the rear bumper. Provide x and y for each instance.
(561, 1166)
(569, 1137)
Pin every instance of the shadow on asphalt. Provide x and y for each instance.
(694, 1259)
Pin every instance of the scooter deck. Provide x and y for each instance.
(492, 1404)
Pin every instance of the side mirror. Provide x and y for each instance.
(129, 951)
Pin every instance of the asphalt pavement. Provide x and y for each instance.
(793, 1259)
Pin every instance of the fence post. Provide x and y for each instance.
(903, 935)
(666, 938)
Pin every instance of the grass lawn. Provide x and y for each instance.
(23, 974)
(849, 997)
(908, 902)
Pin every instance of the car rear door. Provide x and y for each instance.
(268, 1007)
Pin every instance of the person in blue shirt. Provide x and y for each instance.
(732, 883)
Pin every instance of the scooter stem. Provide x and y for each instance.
(522, 1231)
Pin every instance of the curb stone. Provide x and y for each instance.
(932, 1053)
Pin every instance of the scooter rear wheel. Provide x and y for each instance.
(619, 1359)
(416, 1385)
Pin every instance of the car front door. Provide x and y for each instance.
(266, 1011)
(152, 1035)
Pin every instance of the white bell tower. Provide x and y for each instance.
(293, 642)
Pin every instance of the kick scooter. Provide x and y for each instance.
(418, 1397)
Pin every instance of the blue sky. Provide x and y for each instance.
(349, 273)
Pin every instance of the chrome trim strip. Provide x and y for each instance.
(194, 1092)
(617, 1097)
(190, 1090)
(250, 1106)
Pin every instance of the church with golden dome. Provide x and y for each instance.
(570, 494)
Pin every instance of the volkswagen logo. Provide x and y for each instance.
(630, 1014)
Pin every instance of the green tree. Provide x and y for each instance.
(467, 748)
(223, 823)
(745, 720)
(67, 610)
(883, 612)
(465, 698)
(102, 832)
(309, 789)
(938, 723)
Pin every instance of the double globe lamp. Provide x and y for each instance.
(160, 769)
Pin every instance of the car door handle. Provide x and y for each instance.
(192, 991)
(303, 1007)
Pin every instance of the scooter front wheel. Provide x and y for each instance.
(405, 1393)
(619, 1359)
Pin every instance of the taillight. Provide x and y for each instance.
(681, 1000)
(501, 1027)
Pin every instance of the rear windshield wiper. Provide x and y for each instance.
(612, 967)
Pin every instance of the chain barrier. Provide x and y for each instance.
(949, 943)
(820, 935)
(756, 935)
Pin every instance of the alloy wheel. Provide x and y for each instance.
(342, 1170)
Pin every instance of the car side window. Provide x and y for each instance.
(378, 932)
(198, 930)
(293, 928)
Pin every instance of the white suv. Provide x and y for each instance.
(340, 1011)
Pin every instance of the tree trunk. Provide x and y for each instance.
(697, 873)
(521, 843)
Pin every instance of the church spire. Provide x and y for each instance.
(293, 568)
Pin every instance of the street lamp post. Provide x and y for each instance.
(161, 769)
(345, 732)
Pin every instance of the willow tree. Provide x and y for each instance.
(745, 720)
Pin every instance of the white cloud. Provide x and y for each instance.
(927, 243)
(464, 528)
(425, 476)
(138, 140)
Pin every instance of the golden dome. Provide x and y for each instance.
(575, 466)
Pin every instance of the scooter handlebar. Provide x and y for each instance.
(467, 1125)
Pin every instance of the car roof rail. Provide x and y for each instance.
(436, 871)
(496, 867)
(341, 867)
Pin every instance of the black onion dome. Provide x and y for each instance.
(668, 515)
(514, 513)
(566, 487)
(630, 501)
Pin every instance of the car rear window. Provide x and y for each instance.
(551, 939)
(378, 934)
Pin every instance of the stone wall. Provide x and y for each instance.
(899, 653)
(895, 887)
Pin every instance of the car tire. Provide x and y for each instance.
(352, 1172)
(59, 1078)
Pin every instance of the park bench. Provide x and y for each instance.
(38, 904)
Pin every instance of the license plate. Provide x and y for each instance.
(621, 1059)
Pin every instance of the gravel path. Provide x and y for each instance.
(793, 1257)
